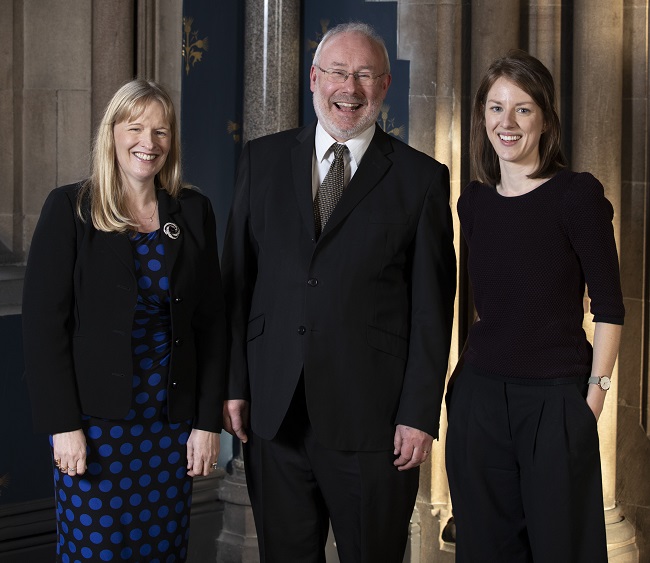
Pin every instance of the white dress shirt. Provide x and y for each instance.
(323, 156)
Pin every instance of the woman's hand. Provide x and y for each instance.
(69, 450)
(596, 400)
(202, 452)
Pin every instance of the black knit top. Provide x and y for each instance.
(529, 259)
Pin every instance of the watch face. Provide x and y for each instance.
(605, 383)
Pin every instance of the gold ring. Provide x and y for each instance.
(63, 469)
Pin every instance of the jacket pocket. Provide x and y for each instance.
(255, 328)
(387, 342)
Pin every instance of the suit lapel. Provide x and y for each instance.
(170, 217)
(302, 156)
(120, 245)
(373, 168)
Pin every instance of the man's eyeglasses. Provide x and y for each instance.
(340, 76)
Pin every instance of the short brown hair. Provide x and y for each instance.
(529, 74)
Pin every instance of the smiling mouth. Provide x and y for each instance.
(346, 106)
(509, 138)
(143, 156)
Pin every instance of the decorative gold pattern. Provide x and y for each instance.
(193, 47)
(388, 123)
(313, 43)
(4, 482)
(234, 129)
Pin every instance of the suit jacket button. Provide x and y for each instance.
(174, 384)
(178, 342)
(313, 282)
(301, 330)
(177, 299)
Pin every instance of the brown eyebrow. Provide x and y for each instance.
(492, 101)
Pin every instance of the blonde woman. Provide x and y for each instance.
(124, 333)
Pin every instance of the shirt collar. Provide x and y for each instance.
(356, 146)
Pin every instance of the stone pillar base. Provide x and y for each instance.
(206, 517)
(621, 538)
(237, 542)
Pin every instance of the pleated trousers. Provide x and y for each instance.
(523, 464)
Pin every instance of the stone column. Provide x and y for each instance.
(271, 66)
(159, 45)
(545, 37)
(495, 30)
(271, 104)
(430, 37)
(597, 135)
(112, 52)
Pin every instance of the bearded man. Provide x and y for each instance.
(340, 274)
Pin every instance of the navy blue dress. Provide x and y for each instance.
(133, 503)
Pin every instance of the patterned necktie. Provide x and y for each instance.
(330, 190)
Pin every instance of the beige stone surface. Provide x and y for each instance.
(491, 36)
(73, 136)
(417, 43)
(39, 148)
(631, 353)
(7, 152)
(6, 232)
(112, 52)
(168, 44)
(632, 240)
(57, 42)
(6, 44)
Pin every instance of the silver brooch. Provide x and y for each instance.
(172, 230)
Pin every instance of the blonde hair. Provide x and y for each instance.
(105, 190)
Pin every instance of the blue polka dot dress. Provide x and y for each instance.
(133, 502)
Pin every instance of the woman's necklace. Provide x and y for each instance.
(154, 212)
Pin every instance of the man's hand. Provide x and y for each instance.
(235, 418)
(412, 446)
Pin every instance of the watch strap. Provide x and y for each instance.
(604, 381)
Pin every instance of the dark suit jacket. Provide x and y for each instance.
(365, 311)
(79, 297)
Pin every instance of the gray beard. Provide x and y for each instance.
(345, 134)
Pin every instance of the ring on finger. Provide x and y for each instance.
(214, 465)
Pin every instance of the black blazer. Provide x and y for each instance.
(366, 311)
(78, 305)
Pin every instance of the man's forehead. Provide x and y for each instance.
(348, 48)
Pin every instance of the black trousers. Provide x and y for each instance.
(523, 465)
(297, 486)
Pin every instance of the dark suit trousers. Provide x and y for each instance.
(297, 486)
(523, 464)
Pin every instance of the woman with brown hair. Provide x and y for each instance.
(522, 445)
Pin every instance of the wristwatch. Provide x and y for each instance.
(604, 382)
